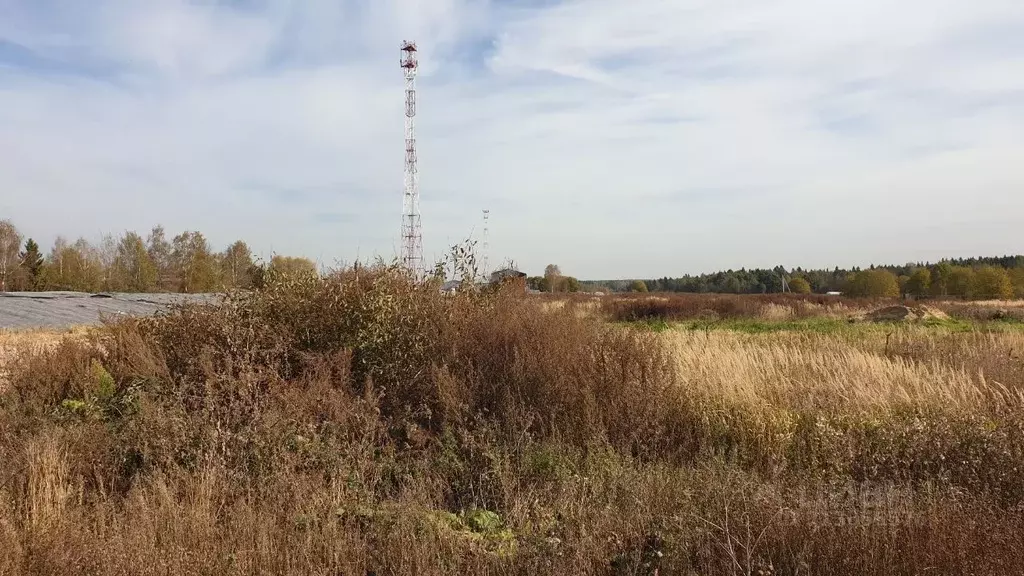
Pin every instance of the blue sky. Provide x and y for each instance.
(615, 138)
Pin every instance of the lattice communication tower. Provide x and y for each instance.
(412, 233)
(486, 248)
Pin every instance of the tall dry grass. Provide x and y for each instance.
(16, 343)
(908, 368)
(365, 424)
(678, 307)
(780, 307)
(985, 310)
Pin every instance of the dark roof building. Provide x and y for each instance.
(506, 274)
(451, 286)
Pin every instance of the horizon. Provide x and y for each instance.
(322, 267)
(642, 141)
(790, 270)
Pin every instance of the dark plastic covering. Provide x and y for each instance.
(67, 309)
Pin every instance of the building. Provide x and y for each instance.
(451, 286)
(509, 276)
(505, 274)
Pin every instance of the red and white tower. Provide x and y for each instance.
(412, 234)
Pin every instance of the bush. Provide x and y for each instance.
(800, 286)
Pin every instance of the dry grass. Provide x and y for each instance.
(999, 303)
(773, 307)
(853, 374)
(20, 343)
(362, 424)
(985, 310)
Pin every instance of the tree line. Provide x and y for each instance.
(132, 263)
(975, 278)
(187, 263)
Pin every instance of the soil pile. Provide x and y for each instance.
(902, 314)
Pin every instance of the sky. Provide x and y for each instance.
(615, 138)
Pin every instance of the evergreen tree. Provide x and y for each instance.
(31, 264)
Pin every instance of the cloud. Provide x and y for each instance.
(614, 138)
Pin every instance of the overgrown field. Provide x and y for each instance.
(720, 309)
(362, 424)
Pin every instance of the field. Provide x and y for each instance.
(361, 424)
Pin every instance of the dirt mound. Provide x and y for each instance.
(903, 314)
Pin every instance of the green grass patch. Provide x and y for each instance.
(652, 325)
(754, 326)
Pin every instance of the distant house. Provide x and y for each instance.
(451, 286)
(509, 276)
(833, 293)
(499, 276)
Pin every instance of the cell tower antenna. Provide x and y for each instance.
(486, 246)
(412, 233)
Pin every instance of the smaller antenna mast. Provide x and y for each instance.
(486, 246)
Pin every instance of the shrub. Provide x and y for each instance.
(800, 286)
